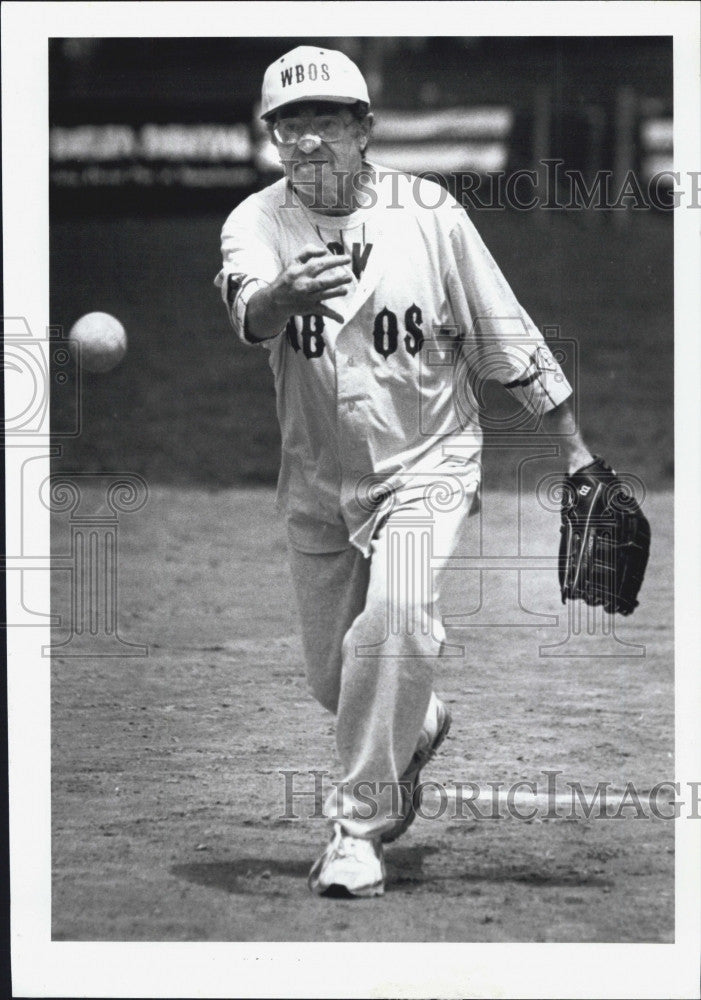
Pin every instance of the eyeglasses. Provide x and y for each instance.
(329, 128)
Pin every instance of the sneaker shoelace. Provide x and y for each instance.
(345, 846)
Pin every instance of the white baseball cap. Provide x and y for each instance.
(308, 73)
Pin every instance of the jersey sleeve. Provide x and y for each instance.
(506, 344)
(249, 260)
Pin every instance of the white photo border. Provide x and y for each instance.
(41, 967)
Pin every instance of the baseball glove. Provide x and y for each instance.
(604, 540)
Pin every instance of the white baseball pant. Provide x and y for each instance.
(372, 633)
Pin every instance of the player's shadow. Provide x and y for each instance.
(405, 868)
(251, 876)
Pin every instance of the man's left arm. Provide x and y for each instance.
(560, 425)
(605, 536)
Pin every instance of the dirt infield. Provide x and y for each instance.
(167, 793)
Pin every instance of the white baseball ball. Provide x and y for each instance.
(100, 341)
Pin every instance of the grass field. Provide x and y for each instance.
(189, 404)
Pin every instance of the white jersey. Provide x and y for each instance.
(388, 392)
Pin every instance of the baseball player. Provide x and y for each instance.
(380, 314)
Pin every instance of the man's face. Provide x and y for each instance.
(320, 166)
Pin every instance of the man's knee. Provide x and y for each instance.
(408, 624)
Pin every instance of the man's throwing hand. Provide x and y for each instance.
(312, 278)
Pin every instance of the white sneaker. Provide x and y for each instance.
(409, 786)
(350, 866)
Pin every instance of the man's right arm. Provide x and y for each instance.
(301, 289)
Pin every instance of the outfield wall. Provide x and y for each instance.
(173, 123)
